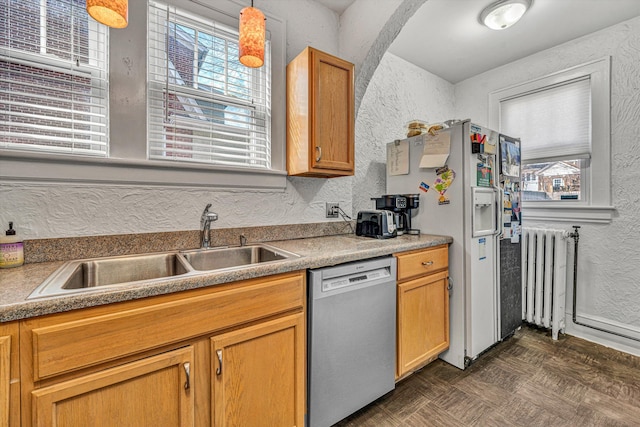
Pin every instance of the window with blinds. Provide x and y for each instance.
(204, 106)
(555, 122)
(53, 78)
(554, 125)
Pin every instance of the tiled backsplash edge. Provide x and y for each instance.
(68, 248)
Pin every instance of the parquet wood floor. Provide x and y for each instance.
(527, 380)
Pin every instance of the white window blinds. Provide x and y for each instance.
(53, 77)
(204, 105)
(553, 123)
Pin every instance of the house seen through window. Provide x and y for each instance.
(554, 180)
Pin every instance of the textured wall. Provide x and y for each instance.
(308, 24)
(367, 32)
(68, 210)
(398, 93)
(608, 276)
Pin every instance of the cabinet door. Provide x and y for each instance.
(9, 375)
(423, 321)
(5, 378)
(333, 110)
(155, 391)
(259, 375)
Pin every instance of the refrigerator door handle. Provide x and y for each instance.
(500, 212)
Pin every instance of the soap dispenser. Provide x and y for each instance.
(11, 249)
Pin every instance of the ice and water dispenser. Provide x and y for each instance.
(483, 221)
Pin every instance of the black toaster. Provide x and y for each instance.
(378, 223)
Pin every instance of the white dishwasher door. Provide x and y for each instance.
(351, 338)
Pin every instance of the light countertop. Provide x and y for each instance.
(16, 284)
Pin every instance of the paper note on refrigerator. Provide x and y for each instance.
(436, 150)
(398, 158)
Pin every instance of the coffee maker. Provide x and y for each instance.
(401, 205)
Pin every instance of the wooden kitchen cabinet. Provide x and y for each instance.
(320, 115)
(9, 375)
(259, 375)
(154, 391)
(5, 378)
(423, 308)
(149, 362)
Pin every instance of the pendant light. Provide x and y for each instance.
(113, 13)
(252, 35)
(504, 13)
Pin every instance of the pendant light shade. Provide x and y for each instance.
(113, 13)
(252, 35)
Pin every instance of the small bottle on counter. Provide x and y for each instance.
(11, 249)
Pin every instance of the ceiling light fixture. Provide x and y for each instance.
(113, 13)
(252, 36)
(504, 13)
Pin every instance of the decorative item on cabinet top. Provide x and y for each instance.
(320, 115)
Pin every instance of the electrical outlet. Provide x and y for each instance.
(332, 210)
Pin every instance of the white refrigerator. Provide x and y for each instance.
(459, 196)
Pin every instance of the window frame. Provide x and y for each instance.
(128, 163)
(596, 174)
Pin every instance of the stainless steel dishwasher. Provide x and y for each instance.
(351, 339)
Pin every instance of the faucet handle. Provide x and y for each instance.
(204, 214)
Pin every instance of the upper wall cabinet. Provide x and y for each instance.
(320, 115)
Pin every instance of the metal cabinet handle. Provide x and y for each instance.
(219, 368)
(319, 153)
(187, 371)
(427, 263)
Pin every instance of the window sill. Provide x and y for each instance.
(20, 166)
(567, 213)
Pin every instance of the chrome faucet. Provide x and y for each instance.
(205, 226)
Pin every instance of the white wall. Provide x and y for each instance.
(308, 24)
(608, 275)
(366, 33)
(398, 93)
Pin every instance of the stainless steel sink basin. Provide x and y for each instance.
(219, 258)
(88, 275)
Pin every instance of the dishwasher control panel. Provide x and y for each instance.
(354, 279)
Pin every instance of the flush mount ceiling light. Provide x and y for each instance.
(112, 13)
(252, 35)
(504, 13)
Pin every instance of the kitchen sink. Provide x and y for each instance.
(219, 258)
(88, 275)
(101, 273)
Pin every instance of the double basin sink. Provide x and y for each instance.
(87, 275)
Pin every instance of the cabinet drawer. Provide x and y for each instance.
(63, 343)
(417, 263)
